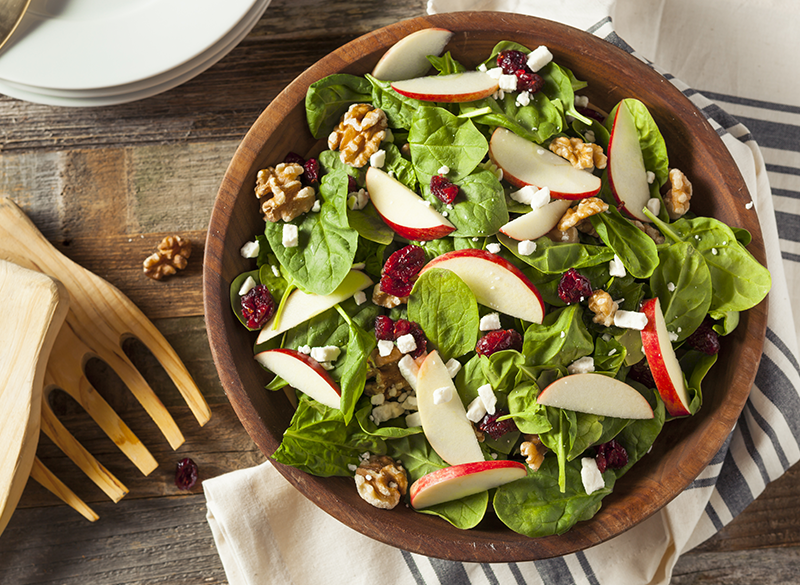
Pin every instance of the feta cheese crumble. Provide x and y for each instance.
(453, 366)
(616, 268)
(526, 247)
(386, 411)
(489, 322)
(409, 370)
(654, 205)
(377, 399)
(540, 198)
(494, 72)
(413, 420)
(671, 286)
(385, 347)
(443, 395)
(591, 477)
(581, 101)
(583, 365)
(247, 285)
(316, 206)
(306, 349)
(275, 270)
(589, 136)
(406, 343)
(507, 82)
(378, 158)
(443, 170)
(651, 176)
(289, 236)
(360, 298)
(250, 250)
(494, 248)
(523, 99)
(476, 410)
(749, 205)
(327, 353)
(630, 320)
(357, 199)
(539, 57)
(488, 398)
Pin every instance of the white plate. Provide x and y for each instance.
(92, 44)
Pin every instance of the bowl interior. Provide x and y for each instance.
(685, 446)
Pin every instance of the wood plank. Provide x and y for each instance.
(774, 566)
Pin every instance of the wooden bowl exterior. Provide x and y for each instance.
(683, 449)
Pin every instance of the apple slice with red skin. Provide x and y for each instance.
(454, 88)
(662, 360)
(302, 372)
(408, 57)
(596, 394)
(536, 222)
(404, 211)
(495, 282)
(627, 175)
(460, 481)
(527, 163)
(445, 424)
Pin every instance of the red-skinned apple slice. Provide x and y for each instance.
(495, 282)
(408, 57)
(662, 360)
(527, 163)
(536, 222)
(303, 373)
(301, 306)
(627, 175)
(596, 394)
(460, 481)
(404, 211)
(445, 424)
(456, 87)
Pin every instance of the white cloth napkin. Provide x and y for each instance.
(266, 532)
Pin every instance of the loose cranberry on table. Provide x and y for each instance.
(258, 306)
(574, 287)
(186, 474)
(499, 340)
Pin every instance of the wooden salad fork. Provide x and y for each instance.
(99, 319)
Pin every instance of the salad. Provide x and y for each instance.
(485, 288)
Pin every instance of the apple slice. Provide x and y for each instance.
(303, 373)
(301, 306)
(627, 175)
(460, 481)
(596, 394)
(662, 360)
(408, 57)
(527, 163)
(404, 211)
(445, 424)
(495, 282)
(456, 87)
(536, 222)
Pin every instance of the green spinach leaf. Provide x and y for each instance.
(330, 97)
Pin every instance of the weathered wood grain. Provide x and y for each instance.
(774, 566)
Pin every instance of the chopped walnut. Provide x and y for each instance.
(381, 482)
(383, 375)
(172, 255)
(568, 237)
(678, 197)
(383, 299)
(582, 155)
(283, 195)
(586, 208)
(603, 307)
(359, 134)
(533, 450)
(654, 234)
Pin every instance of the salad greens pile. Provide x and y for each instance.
(702, 271)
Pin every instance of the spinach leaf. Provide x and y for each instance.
(529, 416)
(638, 436)
(556, 258)
(728, 322)
(500, 370)
(330, 161)
(369, 225)
(560, 84)
(561, 338)
(536, 121)
(384, 432)
(351, 368)
(695, 366)
(480, 208)
(636, 249)
(654, 149)
(445, 64)
(236, 299)
(609, 356)
(446, 310)
(329, 98)
(399, 109)
(401, 167)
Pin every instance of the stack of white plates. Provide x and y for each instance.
(104, 52)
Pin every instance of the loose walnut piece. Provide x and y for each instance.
(603, 307)
(678, 197)
(381, 482)
(284, 196)
(383, 299)
(172, 255)
(533, 451)
(582, 155)
(586, 208)
(654, 234)
(359, 134)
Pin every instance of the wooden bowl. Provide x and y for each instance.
(685, 446)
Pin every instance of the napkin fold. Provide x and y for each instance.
(266, 532)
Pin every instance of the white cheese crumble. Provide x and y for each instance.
(507, 82)
(540, 198)
(443, 170)
(406, 343)
(443, 395)
(488, 398)
(247, 285)
(453, 366)
(616, 268)
(360, 298)
(327, 353)
(289, 238)
(410, 403)
(671, 286)
(630, 320)
(409, 370)
(316, 206)
(673, 337)
(494, 248)
(749, 205)
(651, 176)
(377, 399)
(489, 322)
(654, 205)
(326, 365)
(714, 251)
(581, 101)
(591, 477)
(385, 347)
(358, 199)
(413, 420)
(526, 247)
(539, 57)
(524, 195)
(306, 349)
(386, 411)
(378, 158)
(250, 250)
(589, 136)
(275, 270)
(583, 365)
(476, 410)
(494, 72)
(523, 99)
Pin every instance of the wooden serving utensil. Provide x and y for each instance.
(99, 319)
(33, 306)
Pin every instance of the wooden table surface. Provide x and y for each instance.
(105, 185)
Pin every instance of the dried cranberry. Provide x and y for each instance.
(511, 60)
(499, 340)
(186, 474)
(443, 189)
(352, 184)
(400, 271)
(591, 113)
(574, 287)
(640, 372)
(704, 338)
(294, 158)
(258, 306)
(611, 455)
(384, 328)
(396, 286)
(311, 168)
(404, 327)
(528, 81)
(497, 428)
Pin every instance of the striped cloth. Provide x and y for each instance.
(266, 532)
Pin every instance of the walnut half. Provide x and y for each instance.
(172, 255)
(282, 194)
(381, 482)
(359, 134)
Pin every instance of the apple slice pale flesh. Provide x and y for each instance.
(408, 214)
(408, 57)
(303, 373)
(596, 394)
(456, 87)
(460, 481)
(662, 360)
(445, 425)
(495, 282)
(627, 175)
(527, 163)
(536, 222)
(301, 306)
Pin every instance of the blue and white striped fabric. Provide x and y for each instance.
(290, 542)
